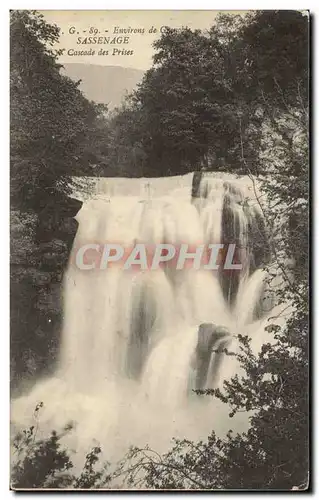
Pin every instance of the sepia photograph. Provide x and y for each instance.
(159, 250)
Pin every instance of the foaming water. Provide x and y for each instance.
(135, 345)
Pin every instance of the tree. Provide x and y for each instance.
(55, 133)
(52, 123)
(186, 108)
(188, 104)
(45, 463)
(125, 153)
(185, 104)
(209, 92)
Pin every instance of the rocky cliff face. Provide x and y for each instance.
(40, 248)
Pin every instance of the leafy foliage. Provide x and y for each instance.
(45, 463)
(53, 136)
(209, 93)
(52, 123)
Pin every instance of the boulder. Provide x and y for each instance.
(209, 338)
(197, 177)
(40, 247)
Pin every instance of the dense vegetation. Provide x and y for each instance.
(54, 135)
(234, 98)
(207, 93)
(53, 126)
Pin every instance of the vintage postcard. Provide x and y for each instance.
(159, 250)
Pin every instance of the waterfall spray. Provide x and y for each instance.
(135, 345)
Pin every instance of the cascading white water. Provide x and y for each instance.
(130, 354)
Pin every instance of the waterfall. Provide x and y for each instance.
(135, 344)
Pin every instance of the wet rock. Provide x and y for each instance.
(54, 254)
(58, 203)
(40, 247)
(197, 177)
(52, 216)
(209, 338)
(258, 239)
(55, 247)
(68, 227)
